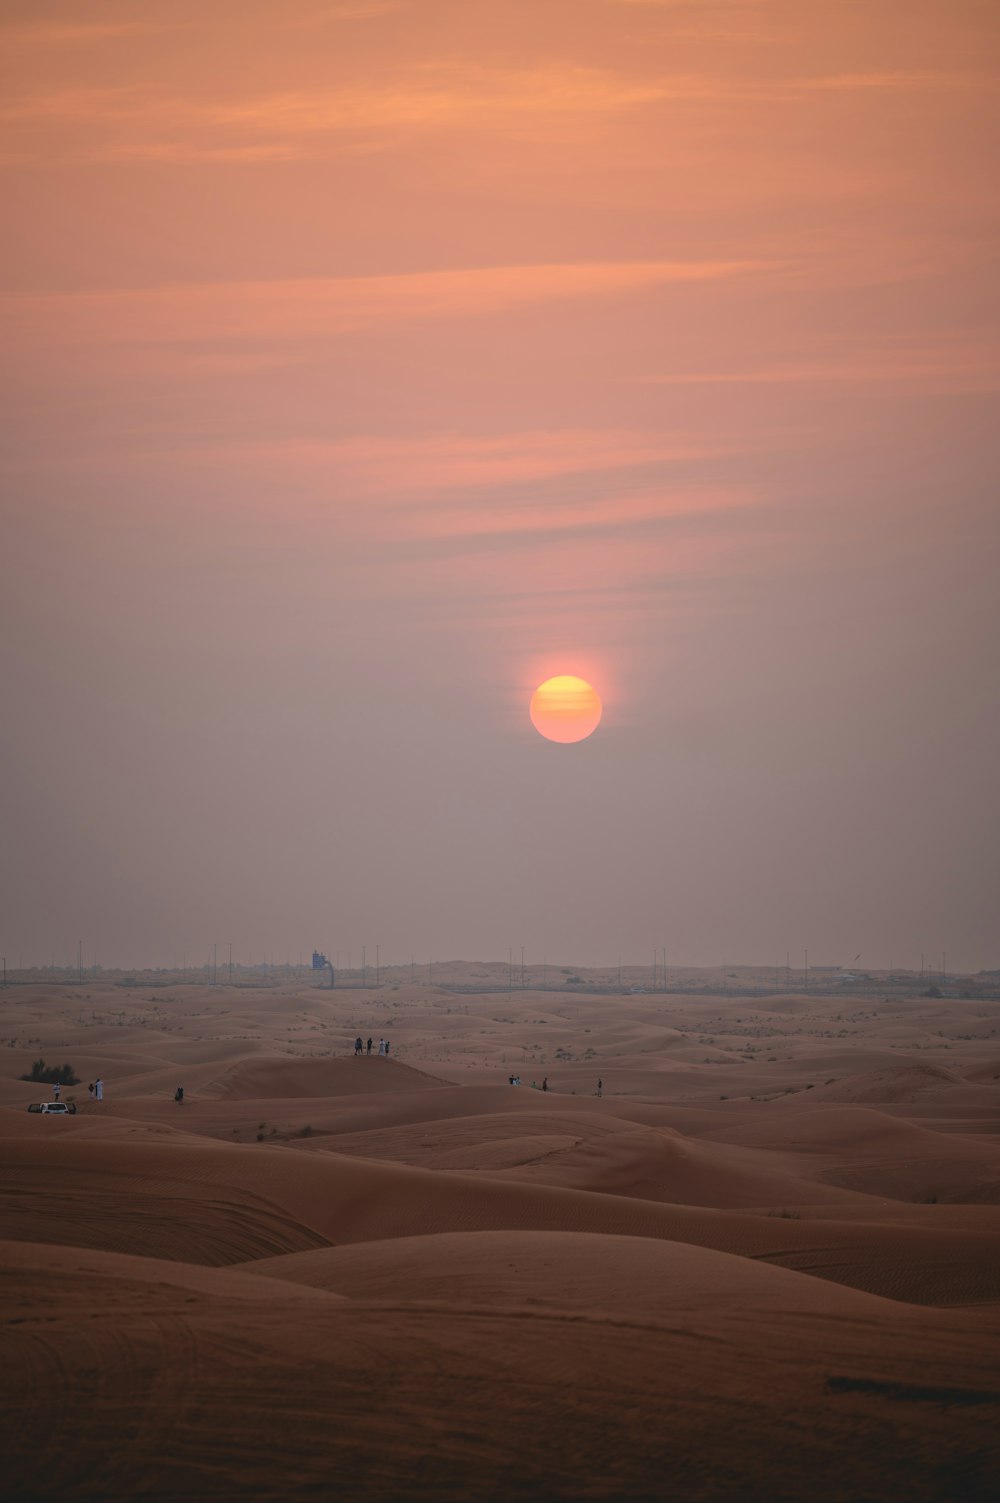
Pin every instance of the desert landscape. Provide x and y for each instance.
(511, 481)
(762, 1263)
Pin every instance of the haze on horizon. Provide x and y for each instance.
(372, 361)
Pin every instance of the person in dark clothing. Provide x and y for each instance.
(600, 1087)
(545, 1083)
(179, 1093)
(369, 1046)
(358, 1046)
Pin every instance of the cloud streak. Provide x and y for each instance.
(147, 122)
(315, 307)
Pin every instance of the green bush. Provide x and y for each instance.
(52, 1074)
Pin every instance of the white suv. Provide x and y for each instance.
(54, 1108)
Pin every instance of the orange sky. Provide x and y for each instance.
(370, 361)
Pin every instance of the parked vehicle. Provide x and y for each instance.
(54, 1108)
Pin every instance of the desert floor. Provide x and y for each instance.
(764, 1264)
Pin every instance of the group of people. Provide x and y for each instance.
(95, 1090)
(360, 1047)
(516, 1080)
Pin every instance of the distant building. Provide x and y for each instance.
(320, 961)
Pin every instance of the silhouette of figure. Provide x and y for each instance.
(600, 1087)
(179, 1093)
(358, 1046)
(545, 1083)
(387, 1048)
(369, 1046)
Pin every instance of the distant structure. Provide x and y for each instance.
(321, 963)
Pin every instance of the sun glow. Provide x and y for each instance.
(565, 708)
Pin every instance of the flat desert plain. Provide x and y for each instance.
(763, 1264)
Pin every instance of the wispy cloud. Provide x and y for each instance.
(312, 307)
(346, 10)
(880, 82)
(145, 122)
(390, 466)
(648, 513)
(65, 33)
(968, 369)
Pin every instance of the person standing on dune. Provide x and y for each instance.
(99, 1089)
(369, 1046)
(545, 1083)
(381, 1048)
(358, 1046)
(600, 1087)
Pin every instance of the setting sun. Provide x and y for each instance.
(565, 708)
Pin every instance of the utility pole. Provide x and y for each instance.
(215, 964)
(364, 966)
(522, 968)
(79, 958)
(377, 968)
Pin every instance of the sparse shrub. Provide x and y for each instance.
(52, 1074)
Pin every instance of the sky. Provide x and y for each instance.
(370, 361)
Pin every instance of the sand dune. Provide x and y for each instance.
(267, 1079)
(766, 1258)
(145, 1384)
